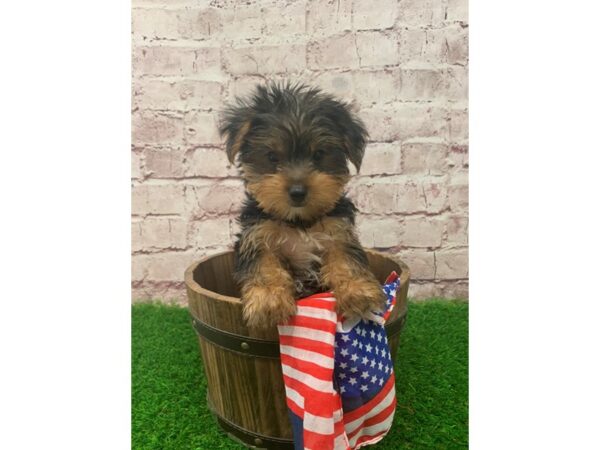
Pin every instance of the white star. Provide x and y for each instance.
(358, 330)
(354, 357)
(353, 369)
(352, 381)
(365, 375)
(381, 381)
(344, 352)
(372, 363)
(365, 360)
(380, 365)
(360, 345)
(379, 337)
(342, 390)
(377, 350)
(372, 334)
(368, 347)
(342, 375)
(363, 333)
(364, 387)
(387, 369)
(374, 379)
(354, 343)
(345, 338)
(343, 365)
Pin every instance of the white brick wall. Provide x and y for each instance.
(404, 64)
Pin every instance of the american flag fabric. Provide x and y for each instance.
(338, 374)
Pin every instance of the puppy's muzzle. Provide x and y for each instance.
(297, 194)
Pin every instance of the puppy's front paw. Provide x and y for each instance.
(359, 297)
(266, 307)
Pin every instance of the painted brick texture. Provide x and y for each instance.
(403, 64)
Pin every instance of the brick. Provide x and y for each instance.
(163, 233)
(424, 290)
(457, 83)
(458, 125)
(380, 86)
(166, 266)
(333, 52)
(375, 15)
(170, 60)
(423, 232)
(457, 44)
(420, 262)
(328, 16)
(421, 84)
(201, 129)
(457, 11)
(255, 59)
(286, 19)
(421, 12)
(424, 158)
(157, 128)
(377, 49)
(339, 84)
(458, 197)
(136, 236)
(459, 156)
(381, 158)
(210, 232)
(457, 230)
(157, 199)
(404, 121)
(420, 196)
(243, 21)
(418, 46)
(452, 264)
(136, 165)
(139, 267)
(456, 290)
(155, 23)
(200, 23)
(220, 198)
(164, 163)
(243, 86)
(375, 196)
(208, 162)
(379, 232)
(181, 95)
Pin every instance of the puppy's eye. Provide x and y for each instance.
(318, 155)
(273, 157)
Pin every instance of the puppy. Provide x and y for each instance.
(293, 144)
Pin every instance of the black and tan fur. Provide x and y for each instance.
(293, 145)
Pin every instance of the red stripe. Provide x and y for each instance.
(295, 407)
(379, 417)
(318, 441)
(308, 367)
(307, 344)
(361, 411)
(313, 323)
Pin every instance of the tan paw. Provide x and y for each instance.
(359, 297)
(265, 307)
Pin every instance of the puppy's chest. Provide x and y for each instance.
(301, 249)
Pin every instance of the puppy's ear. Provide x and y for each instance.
(355, 139)
(235, 125)
(352, 129)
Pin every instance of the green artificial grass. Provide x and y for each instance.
(169, 389)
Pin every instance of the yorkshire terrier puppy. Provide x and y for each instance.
(293, 145)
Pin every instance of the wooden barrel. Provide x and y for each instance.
(243, 371)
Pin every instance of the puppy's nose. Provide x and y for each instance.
(297, 193)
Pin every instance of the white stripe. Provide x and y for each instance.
(374, 429)
(341, 442)
(306, 355)
(387, 401)
(295, 396)
(307, 333)
(318, 424)
(326, 299)
(309, 380)
(317, 313)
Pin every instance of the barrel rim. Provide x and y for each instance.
(196, 287)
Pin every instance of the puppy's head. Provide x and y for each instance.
(293, 145)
